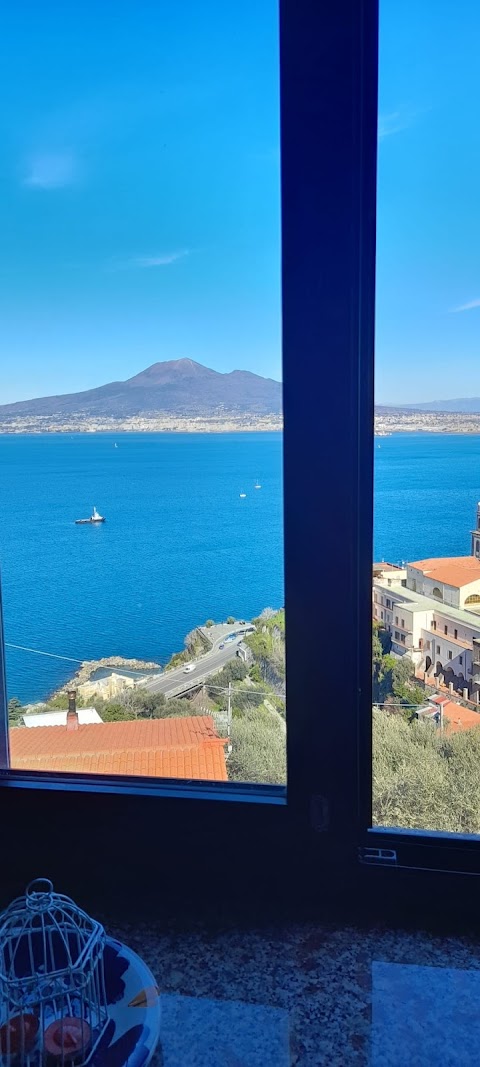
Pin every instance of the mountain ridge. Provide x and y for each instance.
(172, 387)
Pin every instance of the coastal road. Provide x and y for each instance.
(175, 682)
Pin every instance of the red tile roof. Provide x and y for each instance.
(185, 747)
(455, 716)
(450, 570)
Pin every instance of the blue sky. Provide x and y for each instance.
(139, 190)
(139, 193)
(428, 238)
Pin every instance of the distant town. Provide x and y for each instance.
(225, 423)
(395, 420)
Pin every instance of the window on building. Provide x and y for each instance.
(388, 603)
(460, 660)
(450, 654)
(403, 624)
(445, 629)
(381, 613)
(396, 619)
(434, 625)
(456, 634)
(397, 635)
(438, 650)
(402, 638)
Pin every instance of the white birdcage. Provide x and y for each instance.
(52, 987)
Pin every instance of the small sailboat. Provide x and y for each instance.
(242, 495)
(115, 445)
(94, 518)
(257, 484)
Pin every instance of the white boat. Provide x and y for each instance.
(257, 484)
(242, 495)
(95, 517)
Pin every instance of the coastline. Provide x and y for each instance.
(446, 423)
(43, 426)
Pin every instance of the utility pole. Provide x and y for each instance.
(229, 709)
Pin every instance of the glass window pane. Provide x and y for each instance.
(426, 671)
(141, 400)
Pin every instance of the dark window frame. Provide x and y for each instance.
(328, 76)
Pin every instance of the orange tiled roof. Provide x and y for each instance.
(162, 748)
(459, 718)
(451, 570)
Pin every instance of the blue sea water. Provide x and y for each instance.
(179, 545)
(426, 491)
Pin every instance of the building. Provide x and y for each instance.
(433, 615)
(86, 716)
(107, 688)
(453, 718)
(187, 747)
(450, 580)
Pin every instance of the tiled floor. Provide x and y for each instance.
(311, 995)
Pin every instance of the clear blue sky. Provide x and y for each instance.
(139, 189)
(139, 193)
(428, 243)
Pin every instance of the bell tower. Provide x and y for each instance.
(476, 536)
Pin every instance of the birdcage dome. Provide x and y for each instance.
(51, 973)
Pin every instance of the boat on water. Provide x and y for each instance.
(257, 484)
(95, 517)
(242, 495)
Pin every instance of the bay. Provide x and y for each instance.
(179, 544)
(426, 491)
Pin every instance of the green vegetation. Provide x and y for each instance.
(230, 620)
(258, 749)
(423, 779)
(210, 622)
(394, 679)
(267, 646)
(15, 712)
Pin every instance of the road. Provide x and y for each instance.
(175, 682)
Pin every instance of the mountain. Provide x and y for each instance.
(465, 406)
(175, 387)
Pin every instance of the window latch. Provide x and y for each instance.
(383, 857)
(319, 814)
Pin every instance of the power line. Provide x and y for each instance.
(71, 659)
(38, 652)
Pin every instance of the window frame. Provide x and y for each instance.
(328, 88)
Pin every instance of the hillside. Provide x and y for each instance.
(176, 387)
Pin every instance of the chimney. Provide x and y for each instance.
(72, 717)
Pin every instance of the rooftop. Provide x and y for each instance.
(187, 747)
(59, 718)
(456, 571)
(417, 602)
(459, 718)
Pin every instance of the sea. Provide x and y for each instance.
(180, 545)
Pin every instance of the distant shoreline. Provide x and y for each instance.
(38, 429)
(447, 423)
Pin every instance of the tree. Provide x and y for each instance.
(15, 711)
(423, 779)
(210, 622)
(258, 750)
(115, 713)
(230, 620)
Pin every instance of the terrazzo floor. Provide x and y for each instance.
(310, 995)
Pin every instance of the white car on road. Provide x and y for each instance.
(189, 667)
